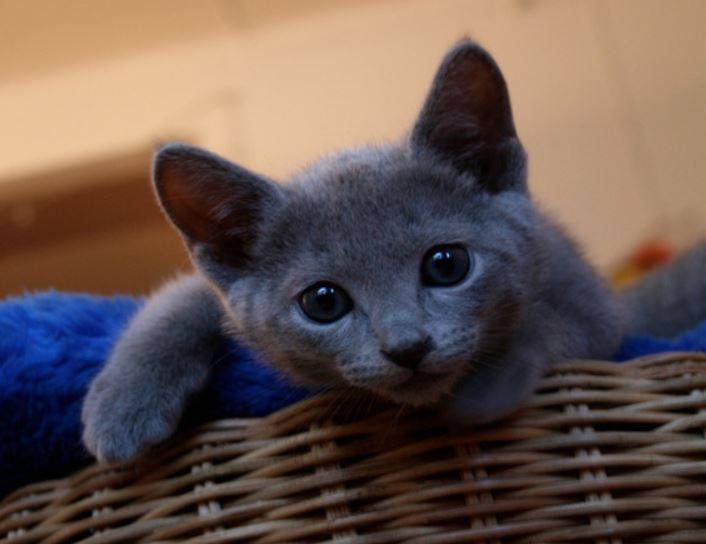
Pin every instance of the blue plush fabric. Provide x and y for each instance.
(637, 346)
(52, 344)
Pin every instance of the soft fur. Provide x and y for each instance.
(364, 219)
(670, 299)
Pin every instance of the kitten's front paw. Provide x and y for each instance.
(120, 423)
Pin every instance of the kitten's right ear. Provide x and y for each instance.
(467, 120)
(217, 206)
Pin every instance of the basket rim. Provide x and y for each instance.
(320, 399)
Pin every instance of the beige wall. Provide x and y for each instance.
(609, 96)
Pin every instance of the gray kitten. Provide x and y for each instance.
(422, 272)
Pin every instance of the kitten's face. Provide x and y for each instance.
(369, 224)
(394, 269)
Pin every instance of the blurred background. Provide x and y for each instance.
(609, 98)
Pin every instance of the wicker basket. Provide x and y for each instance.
(606, 452)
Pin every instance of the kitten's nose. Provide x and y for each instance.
(408, 351)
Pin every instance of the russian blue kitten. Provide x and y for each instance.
(420, 271)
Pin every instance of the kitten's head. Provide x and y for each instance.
(395, 269)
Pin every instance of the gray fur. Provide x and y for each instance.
(363, 219)
(671, 299)
(140, 395)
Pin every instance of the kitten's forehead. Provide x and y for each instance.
(365, 188)
(369, 206)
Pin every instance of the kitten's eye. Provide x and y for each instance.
(445, 265)
(325, 302)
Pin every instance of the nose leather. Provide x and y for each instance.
(409, 351)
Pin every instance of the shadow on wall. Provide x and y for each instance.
(101, 233)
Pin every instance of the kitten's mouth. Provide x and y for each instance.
(423, 379)
(421, 388)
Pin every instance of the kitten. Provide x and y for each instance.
(422, 272)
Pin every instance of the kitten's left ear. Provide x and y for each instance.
(467, 120)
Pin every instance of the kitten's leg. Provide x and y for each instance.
(494, 389)
(161, 360)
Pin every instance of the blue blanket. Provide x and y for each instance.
(53, 344)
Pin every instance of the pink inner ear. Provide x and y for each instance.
(185, 202)
(211, 202)
(467, 120)
(472, 86)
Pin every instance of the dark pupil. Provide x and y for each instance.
(444, 262)
(325, 302)
(445, 265)
(326, 298)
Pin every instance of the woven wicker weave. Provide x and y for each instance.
(605, 453)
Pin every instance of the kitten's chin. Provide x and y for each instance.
(420, 389)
